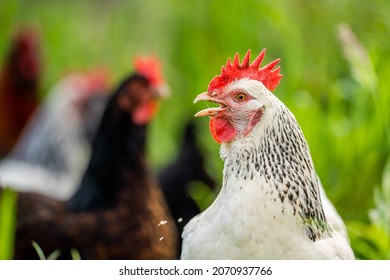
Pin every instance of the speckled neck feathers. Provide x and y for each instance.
(277, 156)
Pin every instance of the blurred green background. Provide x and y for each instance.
(336, 78)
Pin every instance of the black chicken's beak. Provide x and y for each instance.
(161, 91)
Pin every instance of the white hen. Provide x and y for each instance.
(52, 151)
(269, 206)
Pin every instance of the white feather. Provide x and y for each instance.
(52, 152)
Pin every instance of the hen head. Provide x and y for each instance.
(242, 91)
(140, 94)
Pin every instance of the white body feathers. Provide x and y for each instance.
(52, 152)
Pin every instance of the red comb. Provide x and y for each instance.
(267, 75)
(98, 79)
(150, 67)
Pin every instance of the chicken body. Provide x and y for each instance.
(119, 211)
(130, 229)
(270, 204)
(52, 151)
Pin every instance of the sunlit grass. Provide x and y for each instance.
(371, 240)
(8, 202)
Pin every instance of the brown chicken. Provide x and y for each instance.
(19, 87)
(119, 211)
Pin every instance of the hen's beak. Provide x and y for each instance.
(162, 91)
(204, 96)
(211, 112)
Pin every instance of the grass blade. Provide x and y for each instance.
(8, 203)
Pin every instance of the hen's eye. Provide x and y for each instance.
(240, 96)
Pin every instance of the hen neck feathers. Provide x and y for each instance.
(276, 155)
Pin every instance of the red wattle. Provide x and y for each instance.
(221, 129)
(145, 112)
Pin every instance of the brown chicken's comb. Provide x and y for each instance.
(267, 75)
(150, 67)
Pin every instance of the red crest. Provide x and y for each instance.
(150, 67)
(230, 72)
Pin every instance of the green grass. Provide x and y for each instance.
(340, 99)
(53, 255)
(8, 201)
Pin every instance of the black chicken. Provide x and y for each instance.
(189, 166)
(119, 211)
